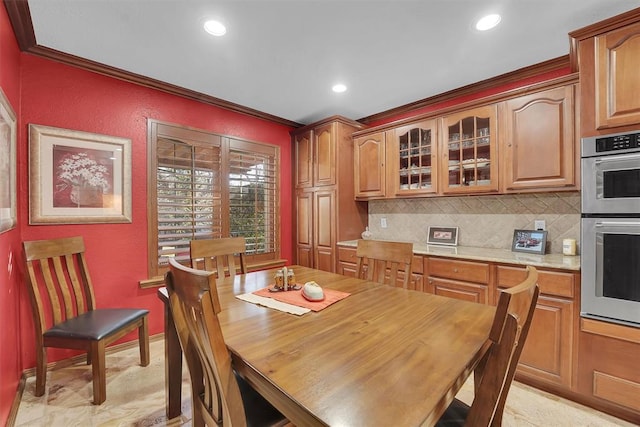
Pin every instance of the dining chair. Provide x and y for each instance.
(494, 375)
(219, 396)
(219, 255)
(65, 313)
(379, 260)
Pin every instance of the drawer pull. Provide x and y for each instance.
(455, 270)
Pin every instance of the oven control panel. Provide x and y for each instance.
(617, 142)
(612, 144)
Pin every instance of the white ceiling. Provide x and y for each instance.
(281, 57)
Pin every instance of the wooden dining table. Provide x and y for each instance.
(382, 356)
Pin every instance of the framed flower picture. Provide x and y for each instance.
(78, 177)
(8, 165)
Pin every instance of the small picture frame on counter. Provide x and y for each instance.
(443, 236)
(529, 241)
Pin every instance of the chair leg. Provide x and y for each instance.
(41, 370)
(197, 413)
(99, 374)
(143, 340)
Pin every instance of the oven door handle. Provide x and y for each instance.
(617, 158)
(615, 224)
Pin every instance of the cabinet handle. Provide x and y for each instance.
(455, 270)
(431, 281)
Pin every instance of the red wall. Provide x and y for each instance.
(57, 95)
(10, 283)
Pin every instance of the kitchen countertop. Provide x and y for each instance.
(492, 255)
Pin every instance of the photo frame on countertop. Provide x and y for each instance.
(78, 177)
(8, 165)
(442, 236)
(529, 241)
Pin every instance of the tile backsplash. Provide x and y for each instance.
(482, 221)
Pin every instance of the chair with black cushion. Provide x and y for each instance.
(494, 375)
(379, 260)
(225, 256)
(65, 313)
(219, 396)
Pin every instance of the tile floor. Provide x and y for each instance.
(136, 397)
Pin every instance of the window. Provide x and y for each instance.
(204, 186)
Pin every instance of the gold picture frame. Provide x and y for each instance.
(8, 165)
(78, 177)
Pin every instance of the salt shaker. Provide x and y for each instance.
(291, 278)
(279, 279)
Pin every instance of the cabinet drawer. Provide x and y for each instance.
(617, 390)
(550, 282)
(347, 255)
(464, 291)
(459, 270)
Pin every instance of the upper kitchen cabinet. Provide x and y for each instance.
(608, 54)
(304, 159)
(325, 208)
(411, 158)
(520, 141)
(324, 155)
(538, 141)
(316, 157)
(469, 155)
(369, 165)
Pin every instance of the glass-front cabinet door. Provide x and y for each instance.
(470, 161)
(414, 158)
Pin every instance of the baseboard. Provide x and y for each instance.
(13, 412)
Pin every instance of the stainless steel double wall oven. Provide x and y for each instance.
(610, 232)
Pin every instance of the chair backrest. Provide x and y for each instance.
(508, 334)
(219, 255)
(378, 260)
(194, 303)
(59, 279)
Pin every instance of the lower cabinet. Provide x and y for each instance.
(463, 280)
(304, 242)
(549, 355)
(324, 219)
(608, 371)
(316, 229)
(592, 362)
(347, 261)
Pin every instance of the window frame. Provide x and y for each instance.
(158, 130)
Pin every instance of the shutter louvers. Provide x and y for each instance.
(188, 196)
(253, 197)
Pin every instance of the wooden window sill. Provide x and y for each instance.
(157, 282)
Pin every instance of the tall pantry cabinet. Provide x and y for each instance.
(325, 209)
(608, 59)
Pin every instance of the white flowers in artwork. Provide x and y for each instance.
(82, 170)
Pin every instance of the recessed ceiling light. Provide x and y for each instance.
(488, 22)
(339, 88)
(215, 28)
